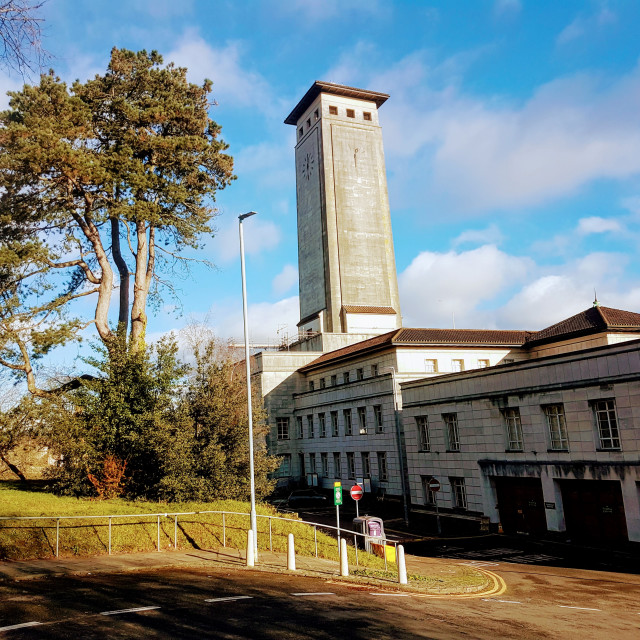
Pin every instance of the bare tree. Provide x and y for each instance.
(21, 36)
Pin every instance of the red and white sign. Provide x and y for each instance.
(356, 492)
(434, 485)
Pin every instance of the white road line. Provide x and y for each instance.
(319, 593)
(505, 601)
(115, 613)
(229, 599)
(22, 625)
(564, 606)
(391, 595)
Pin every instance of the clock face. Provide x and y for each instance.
(307, 166)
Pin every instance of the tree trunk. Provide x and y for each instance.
(145, 262)
(14, 469)
(123, 312)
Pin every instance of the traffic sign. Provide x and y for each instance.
(434, 485)
(337, 494)
(356, 492)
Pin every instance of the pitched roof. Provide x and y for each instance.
(593, 320)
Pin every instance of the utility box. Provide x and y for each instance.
(373, 529)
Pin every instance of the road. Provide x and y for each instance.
(538, 603)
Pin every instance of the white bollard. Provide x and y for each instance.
(344, 558)
(251, 561)
(402, 567)
(291, 553)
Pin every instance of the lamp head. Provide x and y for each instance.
(247, 215)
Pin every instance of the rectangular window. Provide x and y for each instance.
(334, 424)
(608, 434)
(345, 377)
(508, 360)
(301, 463)
(316, 115)
(366, 465)
(351, 113)
(377, 412)
(483, 364)
(458, 493)
(366, 115)
(308, 123)
(322, 421)
(324, 464)
(323, 383)
(558, 439)
(383, 472)
(312, 463)
(514, 429)
(285, 466)
(334, 381)
(423, 431)
(310, 427)
(299, 426)
(337, 465)
(431, 366)
(362, 420)
(374, 370)
(311, 385)
(451, 424)
(457, 365)
(351, 464)
(333, 111)
(429, 496)
(360, 374)
(348, 424)
(283, 428)
(300, 132)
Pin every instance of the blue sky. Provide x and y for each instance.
(512, 141)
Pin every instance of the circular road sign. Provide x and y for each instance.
(356, 492)
(434, 485)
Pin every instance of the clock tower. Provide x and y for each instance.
(348, 281)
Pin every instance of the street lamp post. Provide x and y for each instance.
(254, 525)
(396, 412)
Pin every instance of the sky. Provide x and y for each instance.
(512, 145)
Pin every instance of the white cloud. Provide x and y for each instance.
(269, 163)
(259, 235)
(435, 285)
(286, 279)
(490, 235)
(326, 9)
(596, 224)
(583, 25)
(503, 7)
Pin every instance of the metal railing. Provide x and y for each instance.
(359, 539)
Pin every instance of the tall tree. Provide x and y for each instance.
(20, 35)
(130, 156)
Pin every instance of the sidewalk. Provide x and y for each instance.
(218, 559)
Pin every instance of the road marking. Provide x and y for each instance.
(505, 601)
(229, 599)
(478, 563)
(22, 625)
(318, 593)
(564, 606)
(115, 613)
(397, 595)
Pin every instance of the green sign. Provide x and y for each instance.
(337, 495)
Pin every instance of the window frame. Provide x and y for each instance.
(452, 429)
(311, 431)
(285, 466)
(513, 425)
(282, 428)
(360, 373)
(335, 428)
(457, 362)
(324, 464)
(337, 464)
(377, 418)
(348, 422)
(458, 493)
(312, 462)
(422, 425)
(613, 426)
(346, 377)
(362, 420)
(430, 362)
(333, 110)
(558, 420)
(365, 460)
(351, 464)
(300, 427)
(383, 467)
(322, 425)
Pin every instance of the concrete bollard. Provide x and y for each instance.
(251, 561)
(344, 558)
(291, 553)
(402, 567)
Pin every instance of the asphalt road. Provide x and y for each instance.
(537, 603)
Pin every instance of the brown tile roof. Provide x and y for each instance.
(593, 320)
(352, 308)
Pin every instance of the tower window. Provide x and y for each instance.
(316, 115)
(366, 115)
(351, 113)
(333, 111)
(300, 132)
(308, 123)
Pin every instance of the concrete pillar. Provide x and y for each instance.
(402, 567)
(631, 501)
(489, 499)
(552, 495)
(344, 558)
(251, 562)
(291, 553)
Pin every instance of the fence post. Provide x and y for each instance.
(250, 549)
(402, 567)
(57, 537)
(291, 553)
(158, 533)
(109, 535)
(175, 533)
(315, 538)
(270, 538)
(355, 546)
(224, 532)
(344, 558)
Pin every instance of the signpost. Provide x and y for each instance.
(356, 493)
(337, 500)
(434, 486)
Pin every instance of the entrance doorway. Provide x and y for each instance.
(521, 505)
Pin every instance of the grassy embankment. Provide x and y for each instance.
(20, 540)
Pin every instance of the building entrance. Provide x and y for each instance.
(521, 505)
(593, 510)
